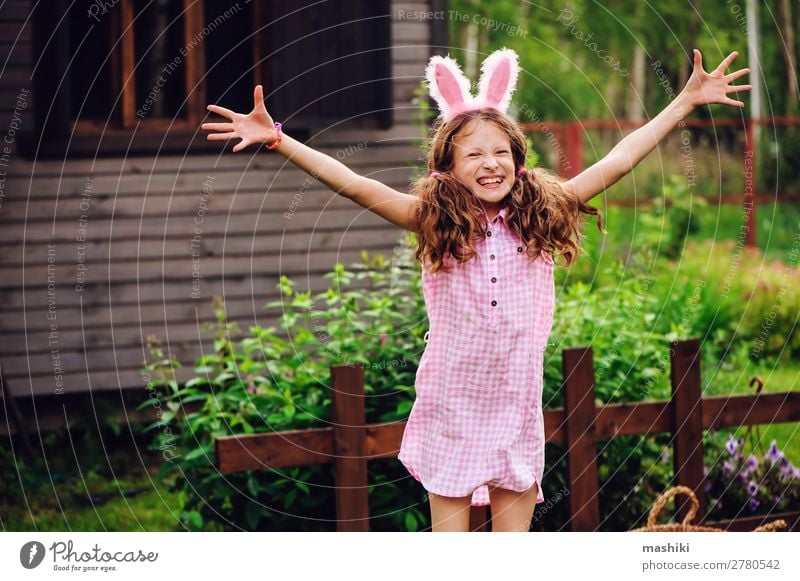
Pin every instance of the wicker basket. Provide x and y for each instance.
(686, 525)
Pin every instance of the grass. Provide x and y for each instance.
(62, 498)
(154, 510)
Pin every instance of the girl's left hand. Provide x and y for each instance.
(705, 88)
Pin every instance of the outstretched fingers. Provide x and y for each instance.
(698, 60)
(727, 62)
(222, 111)
(737, 88)
(221, 136)
(218, 126)
(258, 95)
(735, 75)
(241, 145)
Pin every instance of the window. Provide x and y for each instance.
(127, 75)
(326, 62)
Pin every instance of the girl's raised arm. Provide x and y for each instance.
(702, 88)
(258, 127)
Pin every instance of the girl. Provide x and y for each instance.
(486, 229)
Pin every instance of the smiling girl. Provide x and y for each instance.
(488, 229)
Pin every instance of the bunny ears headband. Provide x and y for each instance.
(451, 89)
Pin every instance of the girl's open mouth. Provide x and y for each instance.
(490, 182)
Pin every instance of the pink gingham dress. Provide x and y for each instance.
(477, 418)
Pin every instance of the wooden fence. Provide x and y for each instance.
(351, 442)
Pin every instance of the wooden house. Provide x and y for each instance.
(121, 220)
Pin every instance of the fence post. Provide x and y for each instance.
(349, 436)
(687, 422)
(579, 415)
(574, 148)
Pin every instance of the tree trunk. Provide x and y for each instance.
(636, 96)
(472, 44)
(787, 49)
(691, 43)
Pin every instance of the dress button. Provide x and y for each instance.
(494, 303)
(494, 279)
(491, 256)
(519, 248)
(489, 233)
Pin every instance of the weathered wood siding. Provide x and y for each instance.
(75, 315)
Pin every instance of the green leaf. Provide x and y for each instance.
(252, 485)
(252, 514)
(288, 500)
(411, 521)
(196, 453)
(194, 518)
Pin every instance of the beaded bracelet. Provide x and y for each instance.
(277, 142)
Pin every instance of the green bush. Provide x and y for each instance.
(674, 216)
(266, 383)
(728, 294)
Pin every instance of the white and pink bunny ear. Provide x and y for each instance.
(499, 74)
(448, 86)
(451, 89)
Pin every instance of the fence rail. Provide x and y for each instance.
(350, 443)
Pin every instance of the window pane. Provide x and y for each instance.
(91, 89)
(229, 54)
(328, 64)
(160, 72)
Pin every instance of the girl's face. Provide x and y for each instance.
(483, 162)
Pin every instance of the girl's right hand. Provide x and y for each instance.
(255, 127)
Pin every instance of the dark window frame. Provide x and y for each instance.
(57, 134)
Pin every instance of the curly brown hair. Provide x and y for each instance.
(539, 210)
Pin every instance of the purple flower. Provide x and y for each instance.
(752, 488)
(707, 485)
(727, 467)
(778, 499)
(789, 471)
(773, 454)
(732, 445)
(754, 503)
(773, 449)
(750, 465)
(665, 456)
